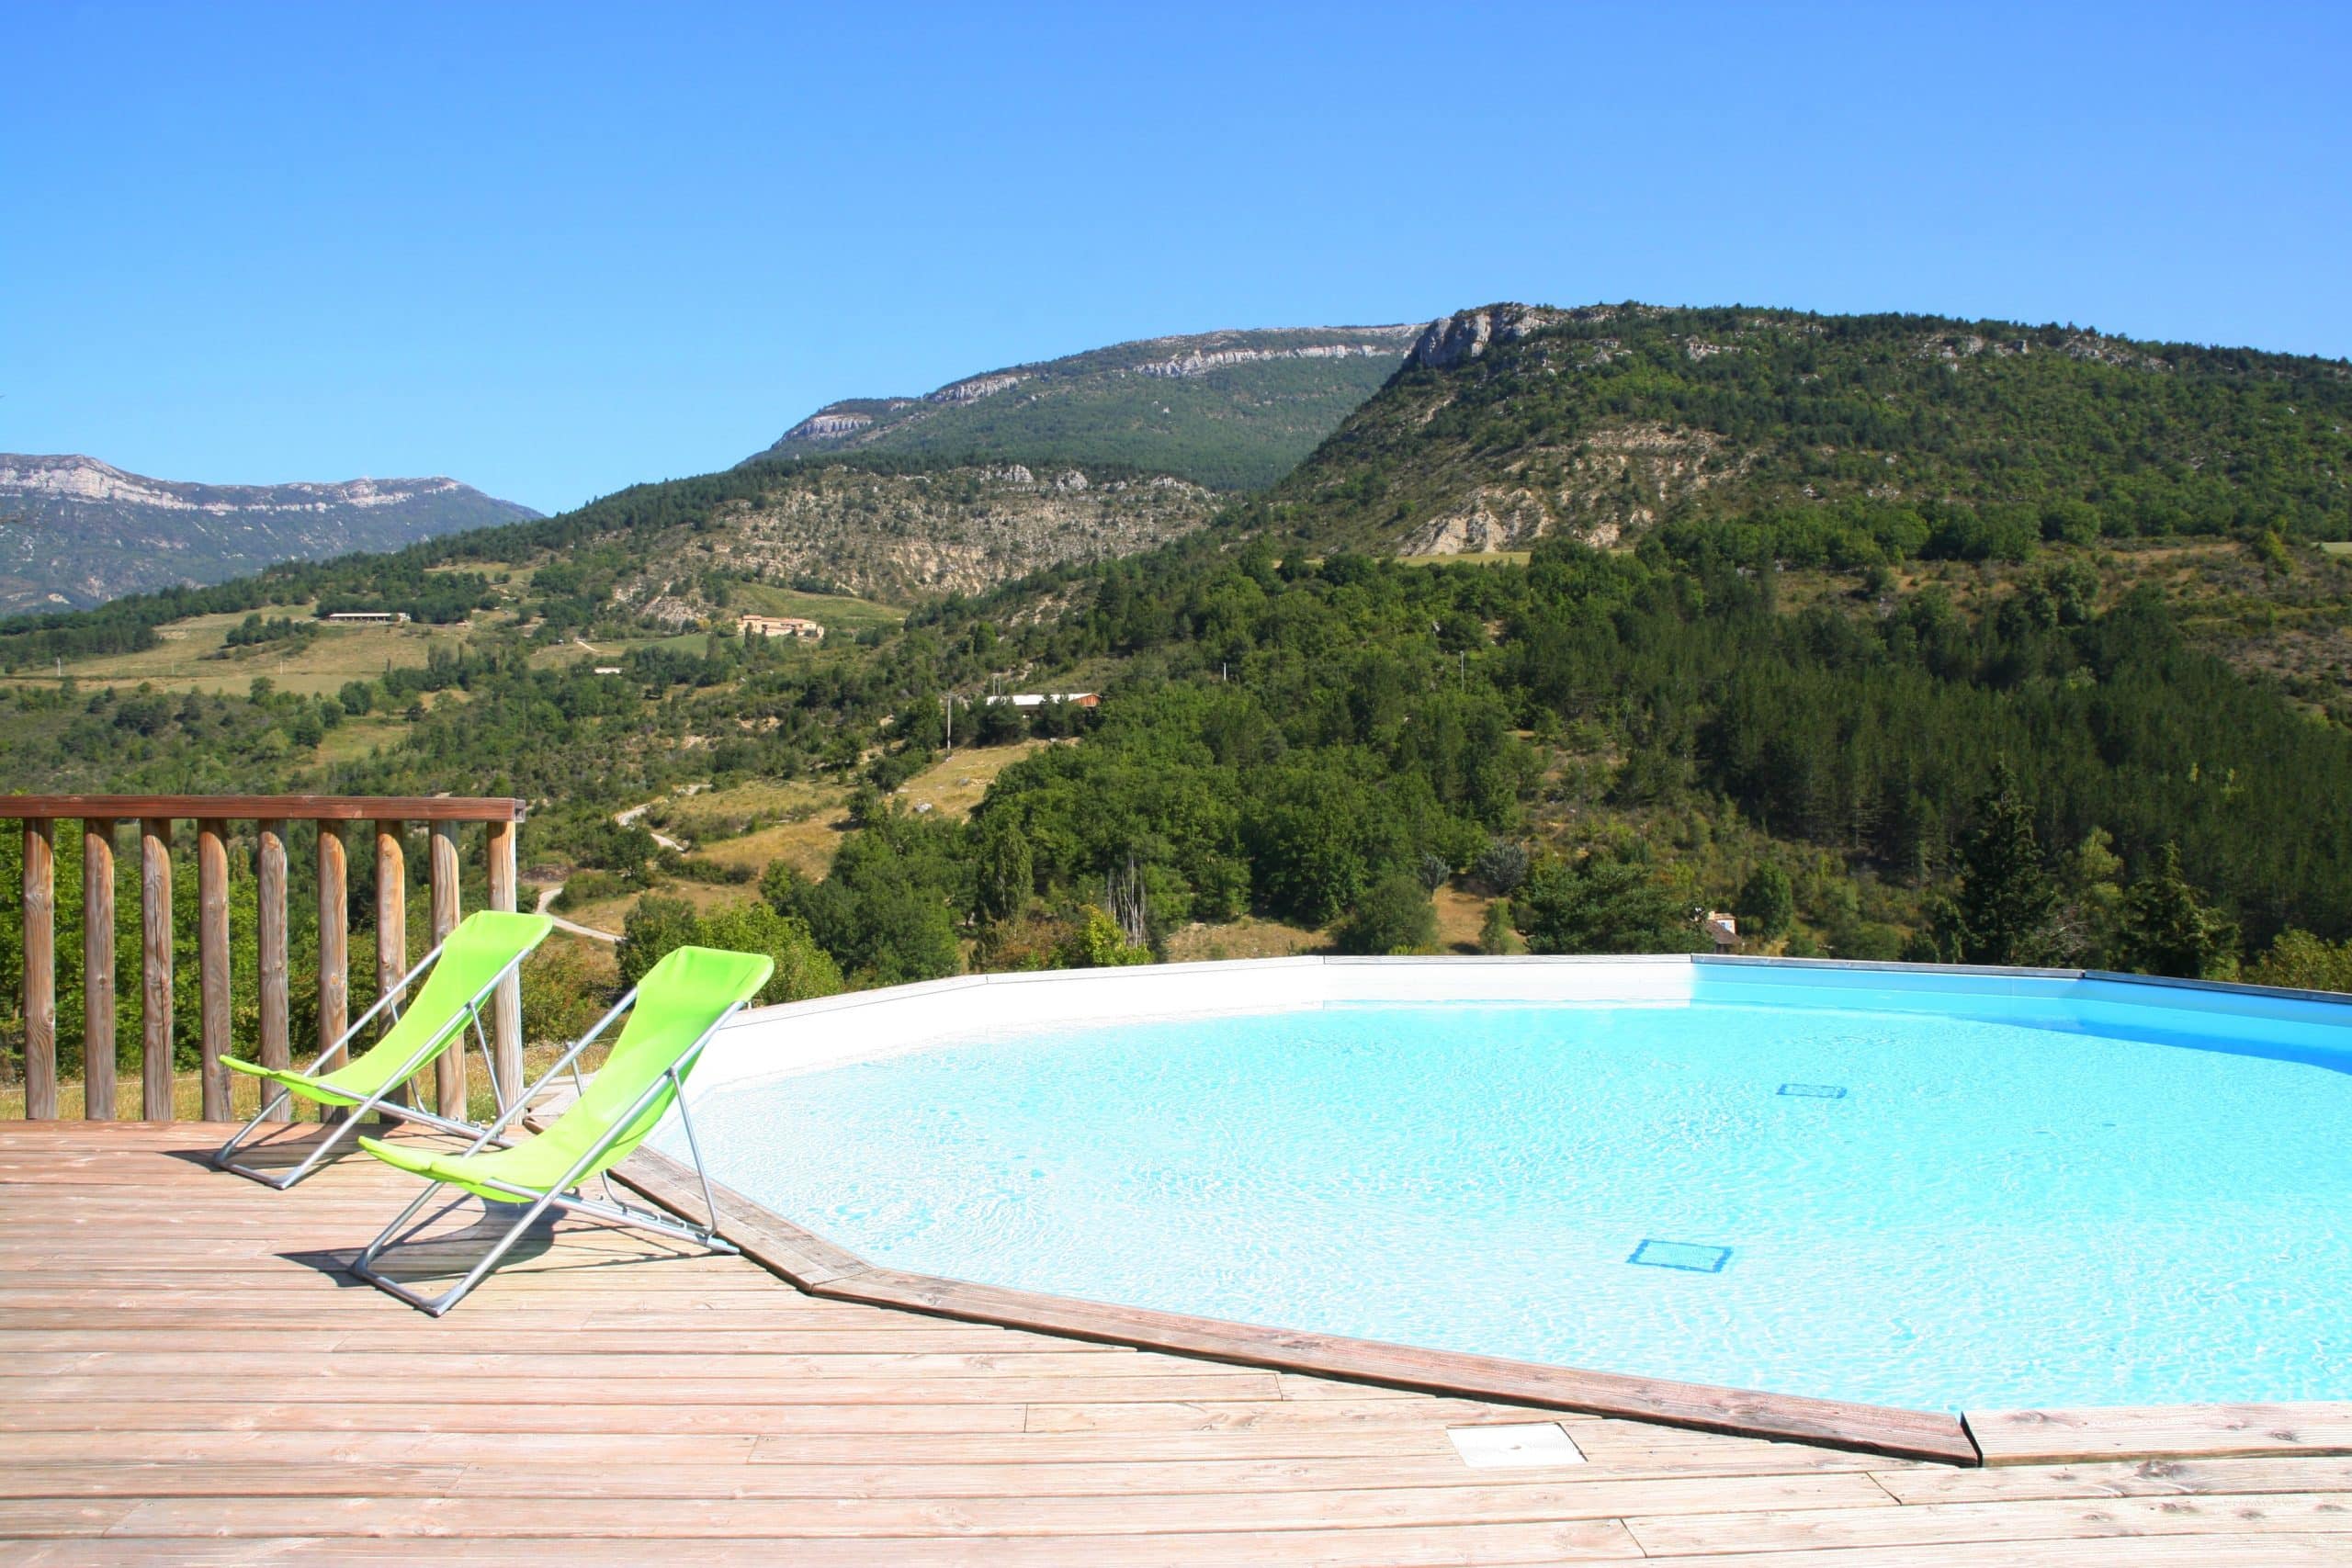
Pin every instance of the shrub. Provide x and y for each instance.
(567, 986)
(1495, 933)
(1500, 868)
(1394, 916)
(1099, 944)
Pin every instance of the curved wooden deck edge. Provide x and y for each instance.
(1902, 1434)
(1993, 1437)
(819, 1267)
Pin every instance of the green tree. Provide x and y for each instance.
(1003, 870)
(655, 927)
(802, 968)
(2007, 900)
(2304, 963)
(1394, 916)
(1766, 903)
(2164, 928)
(1599, 905)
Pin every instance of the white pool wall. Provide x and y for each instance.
(831, 1031)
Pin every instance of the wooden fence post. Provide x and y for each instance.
(334, 940)
(391, 930)
(97, 969)
(212, 964)
(269, 934)
(506, 1015)
(449, 1067)
(156, 969)
(40, 969)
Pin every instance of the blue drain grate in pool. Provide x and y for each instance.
(1690, 1256)
(1813, 1091)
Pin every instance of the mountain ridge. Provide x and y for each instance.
(1232, 408)
(76, 531)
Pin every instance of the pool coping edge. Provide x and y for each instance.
(819, 1267)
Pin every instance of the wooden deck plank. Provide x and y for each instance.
(682, 1368)
(1980, 1524)
(199, 1381)
(2063, 1436)
(690, 1518)
(1498, 1545)
(2137, 1478)
(324, 1384)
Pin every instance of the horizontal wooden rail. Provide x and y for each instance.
(213, 815)
(261, 808)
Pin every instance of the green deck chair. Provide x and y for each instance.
(468, 966)
(674, 1012)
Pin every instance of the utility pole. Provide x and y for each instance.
(947, 707)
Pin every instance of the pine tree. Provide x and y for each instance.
(2164, 929)
(2007, 899)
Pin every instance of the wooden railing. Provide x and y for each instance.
(155, 815)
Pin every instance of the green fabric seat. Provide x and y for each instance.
(483, 946)
(679, 1003)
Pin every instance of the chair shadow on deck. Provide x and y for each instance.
(280, 1146)
(446, 1242)
(449, 1238)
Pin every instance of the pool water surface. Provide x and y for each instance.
(1798, 1192)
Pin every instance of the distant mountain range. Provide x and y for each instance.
(76, 532)
(1230, 410)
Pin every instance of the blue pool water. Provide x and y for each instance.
(1790, 1189)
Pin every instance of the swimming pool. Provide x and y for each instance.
(1933, 1190)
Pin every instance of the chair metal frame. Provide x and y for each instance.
(564, 1194)
(388, 1003)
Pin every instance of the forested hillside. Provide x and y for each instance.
(1843, 434)
(1230, 409)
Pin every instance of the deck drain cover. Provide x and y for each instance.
(1813, 1091)
(1522, 1443)
(1689, 1256)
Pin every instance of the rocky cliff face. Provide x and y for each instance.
(1200, 362)
(76, 532)
(1466, 335)
(899, 537)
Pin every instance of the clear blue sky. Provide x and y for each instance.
(554, 251)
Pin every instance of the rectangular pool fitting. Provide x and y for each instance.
(1515, 1445)
(1813, 1091)
(1691, 1257)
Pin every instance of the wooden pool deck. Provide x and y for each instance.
(187, 1376)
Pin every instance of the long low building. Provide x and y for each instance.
(782, 625)
(1039, 699)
